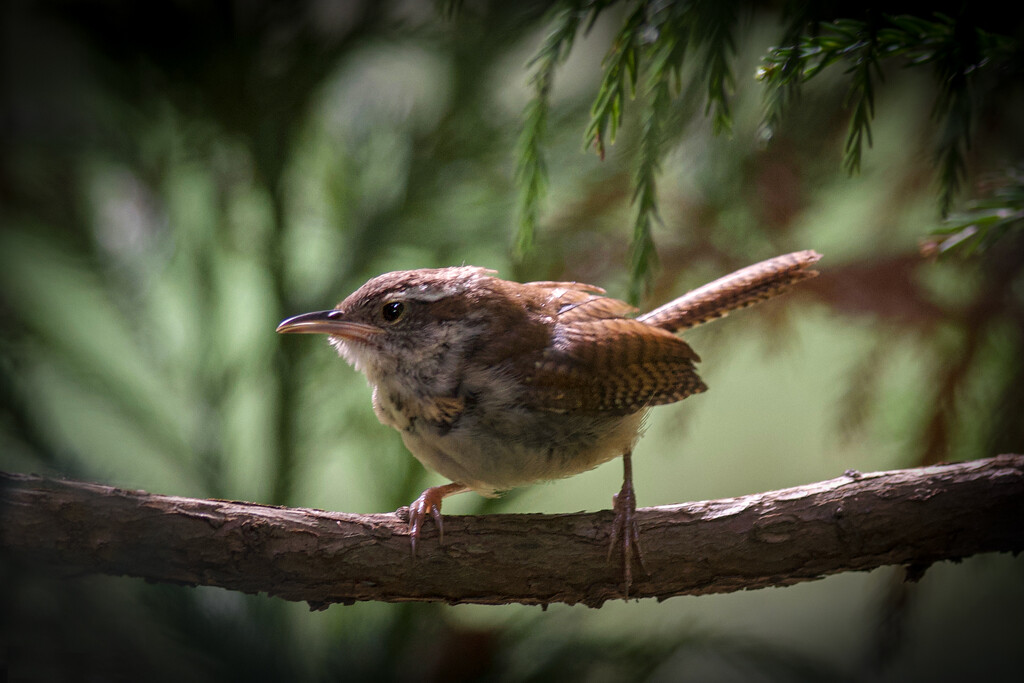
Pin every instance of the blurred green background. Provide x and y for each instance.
(177, 177)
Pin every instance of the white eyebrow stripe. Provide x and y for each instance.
(430, 293)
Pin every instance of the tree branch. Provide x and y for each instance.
(855, 522)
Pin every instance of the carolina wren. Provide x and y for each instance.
(496, 384)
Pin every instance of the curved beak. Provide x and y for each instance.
(328, 322)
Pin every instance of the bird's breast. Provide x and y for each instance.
(491, 448)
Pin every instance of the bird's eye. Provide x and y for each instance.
(392, 311)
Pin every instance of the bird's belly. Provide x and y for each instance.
(514, 450)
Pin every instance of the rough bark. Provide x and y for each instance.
(855, 522)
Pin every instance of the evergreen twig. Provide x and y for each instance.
(955, 50)
(531, 171)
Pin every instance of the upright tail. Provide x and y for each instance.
(743, 288)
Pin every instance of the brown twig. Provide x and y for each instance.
(855, 522)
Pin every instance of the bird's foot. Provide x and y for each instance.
(429, 503)
(625, 537)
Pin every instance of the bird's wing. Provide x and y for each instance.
(615, 365)
(574, 301)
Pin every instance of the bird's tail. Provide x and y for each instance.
(743, 288)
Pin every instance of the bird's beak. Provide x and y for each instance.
(328, 322)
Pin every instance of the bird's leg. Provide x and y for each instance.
(429, 502)
(625, 530)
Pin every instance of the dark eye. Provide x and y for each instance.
(392, 311)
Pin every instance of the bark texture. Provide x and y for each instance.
(854, 522)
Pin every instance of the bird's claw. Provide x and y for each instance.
(429, 503)
(625, 536)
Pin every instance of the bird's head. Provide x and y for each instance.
(400, 319)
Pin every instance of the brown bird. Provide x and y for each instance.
(496, 384)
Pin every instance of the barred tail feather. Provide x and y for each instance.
(737, 290)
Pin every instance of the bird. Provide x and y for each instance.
(497, 384)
